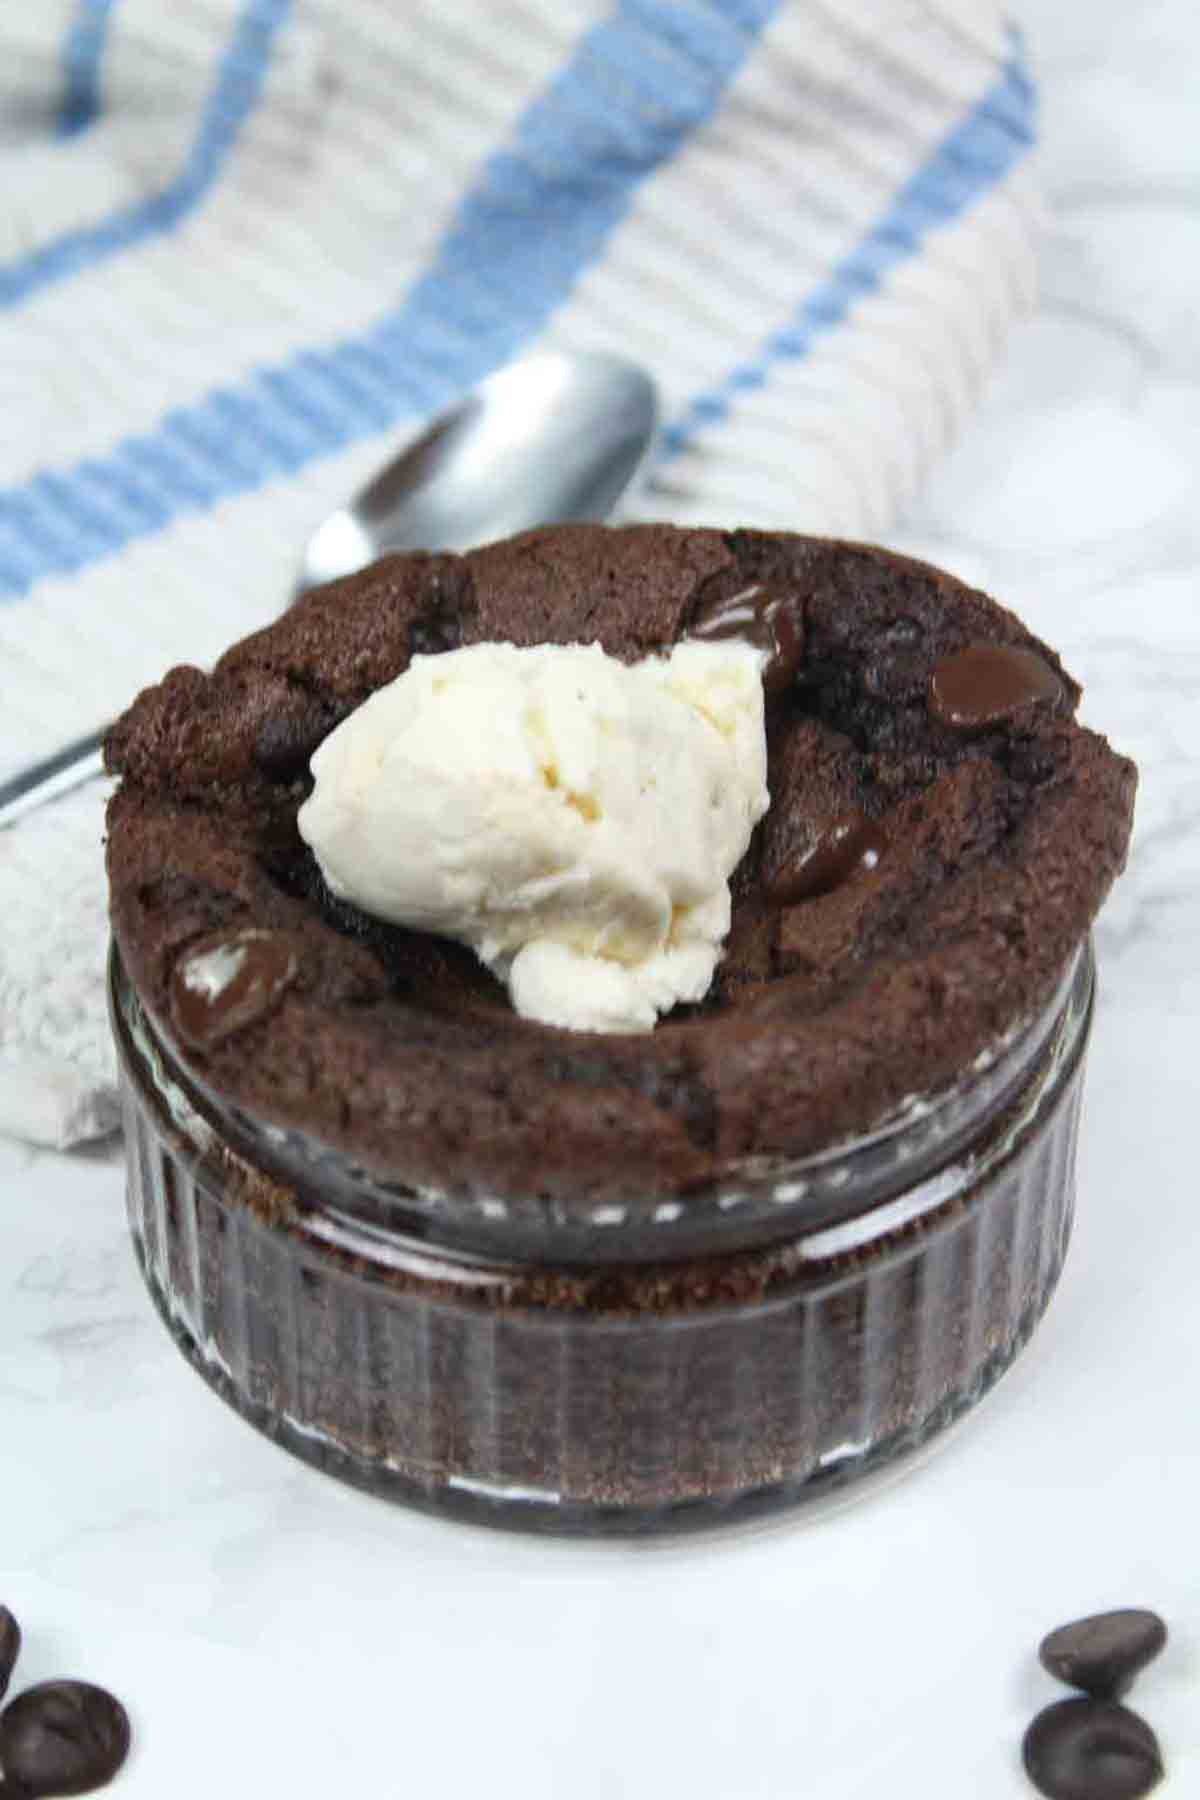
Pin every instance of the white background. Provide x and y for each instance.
(274, 1633)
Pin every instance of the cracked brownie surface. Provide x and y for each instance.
(940, 836)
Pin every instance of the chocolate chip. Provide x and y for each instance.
(62, 1737)
(763, 615)
(852, 842)
(987, 683)
(1103, 1653)
(10, 1646)
(1087, 1749)
(220, 986)
(448, 605)
(288, 737)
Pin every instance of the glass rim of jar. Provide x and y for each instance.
(848, 1192)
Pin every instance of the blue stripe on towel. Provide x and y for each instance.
(976, 155)
(83, 52)
(234, 96)
(633, 91)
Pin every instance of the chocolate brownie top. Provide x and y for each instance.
(940, 836)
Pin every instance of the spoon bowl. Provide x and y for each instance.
(555, 437)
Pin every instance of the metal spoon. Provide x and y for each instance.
(555, 437)
(552, 438)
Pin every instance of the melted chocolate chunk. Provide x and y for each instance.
(10, 1646)
(287, 739)
(765, 616)
(62, 1737)
(1091, 1750)
(1103, 1653)
(987, 683)
(852, 842)
(448, 606)
(222, 986)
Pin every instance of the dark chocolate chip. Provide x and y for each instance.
(10, 1646)
(987, 683)
(1085, 1749)
(1103, 1653)
(63, 1737)
(852, 842)
(222, 985)
(763, 615)
(448, 605)
(287, 739)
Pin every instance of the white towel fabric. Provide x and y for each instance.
(246, 243)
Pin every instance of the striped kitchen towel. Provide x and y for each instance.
(245, 243)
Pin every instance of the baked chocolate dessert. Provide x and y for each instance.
(600, 1281)
(941, 834)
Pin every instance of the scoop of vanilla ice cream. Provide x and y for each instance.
(573, 819)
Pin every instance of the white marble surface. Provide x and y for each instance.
(274, 1633)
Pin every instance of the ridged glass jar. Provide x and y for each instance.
(671, 1364)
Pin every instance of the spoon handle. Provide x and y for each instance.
(54, 775)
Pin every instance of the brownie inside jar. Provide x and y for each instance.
(940, 836)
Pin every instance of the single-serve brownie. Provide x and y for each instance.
(940, 836)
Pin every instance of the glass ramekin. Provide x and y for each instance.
(677, 1363)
